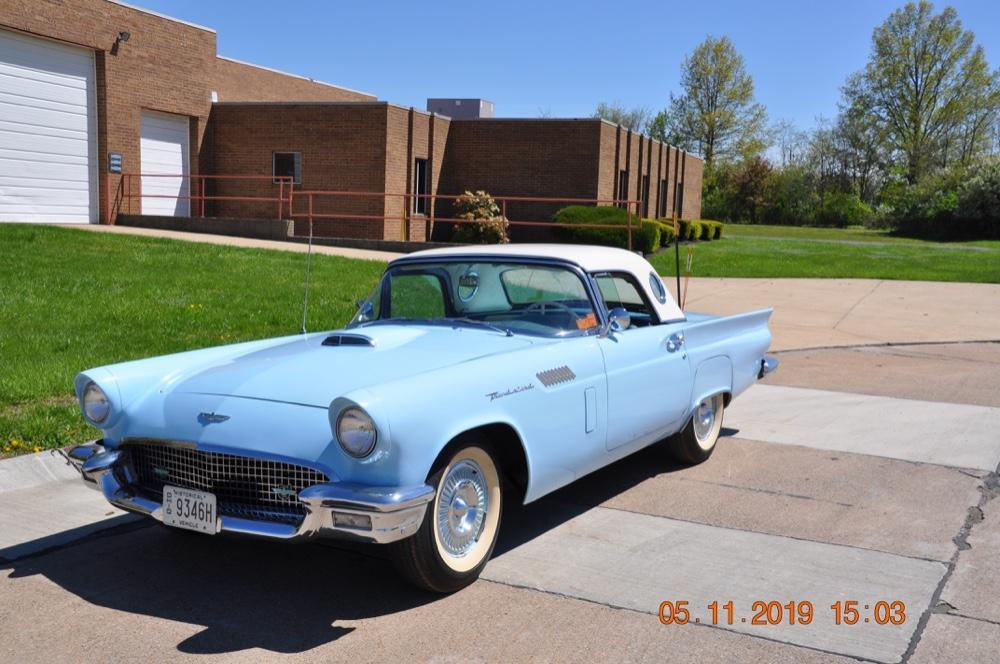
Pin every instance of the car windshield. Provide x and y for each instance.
(509, 297)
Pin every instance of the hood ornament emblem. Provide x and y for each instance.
(211, 418)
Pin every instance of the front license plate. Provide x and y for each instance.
(190, 509)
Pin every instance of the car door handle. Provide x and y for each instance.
(675, 342)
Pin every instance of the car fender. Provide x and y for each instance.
(713, 376)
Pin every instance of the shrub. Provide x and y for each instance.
(978, 209)
(648, 238)
(842, 210)
(488, 227)
(693, 230)
(666, 232)
(576, 218)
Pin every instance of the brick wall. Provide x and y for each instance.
(343, 148)
(694, 169)
(166, 65)
(239, 81)
(162, 67)
(621, 148)
(410, 137)
(535, 158)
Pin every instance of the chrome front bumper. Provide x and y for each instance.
(334, 509)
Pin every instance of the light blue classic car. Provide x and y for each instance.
(468, 376)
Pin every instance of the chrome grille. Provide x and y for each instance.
(243, 486)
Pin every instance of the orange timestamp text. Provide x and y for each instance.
(848, 612)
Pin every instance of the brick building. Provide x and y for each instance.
(90, 89)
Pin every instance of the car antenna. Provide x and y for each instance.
(305, 300)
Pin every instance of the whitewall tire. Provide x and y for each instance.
(461, 524)
(696, 441)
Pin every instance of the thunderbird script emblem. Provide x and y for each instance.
(211, 418)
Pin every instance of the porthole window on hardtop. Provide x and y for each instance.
(658, 289)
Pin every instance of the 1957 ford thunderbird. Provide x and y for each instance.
(468, 376)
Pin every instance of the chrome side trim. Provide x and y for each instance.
(366, 498)
(767, 365)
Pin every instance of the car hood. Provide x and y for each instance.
(308, 372)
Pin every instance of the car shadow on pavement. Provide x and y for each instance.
(282, 597)
(522, 523)
(285, 598)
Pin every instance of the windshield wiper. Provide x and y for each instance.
(483, 323)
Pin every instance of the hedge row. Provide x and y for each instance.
(649, 236)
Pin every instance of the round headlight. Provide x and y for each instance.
(356, 432)
(96, 406)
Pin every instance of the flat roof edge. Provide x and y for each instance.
(293, 102)
(163, 16)
(285, 73)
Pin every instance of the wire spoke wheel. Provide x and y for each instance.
(460, 528)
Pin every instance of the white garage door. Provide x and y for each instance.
(163, 151)
(48, 133)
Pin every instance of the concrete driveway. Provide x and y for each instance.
(864, 474)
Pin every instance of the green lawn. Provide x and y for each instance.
(851, 234)
(70, 300)
(752, 251)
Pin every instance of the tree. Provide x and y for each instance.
(928, 85)
(716, 116)
(750, 181)
(657, 127)
(635, 119)
(792, 142)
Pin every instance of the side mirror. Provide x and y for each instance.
(619, 319)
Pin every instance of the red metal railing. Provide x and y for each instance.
(119, 197)
(318, 205)
(307, 210)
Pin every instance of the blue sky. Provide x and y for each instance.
(560, 57)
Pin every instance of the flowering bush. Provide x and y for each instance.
(488, 227)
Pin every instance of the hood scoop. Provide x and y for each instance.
(348, 340)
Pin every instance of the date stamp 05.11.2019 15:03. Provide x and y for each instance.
(849, 612)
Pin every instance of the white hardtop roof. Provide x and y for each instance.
(590, 258)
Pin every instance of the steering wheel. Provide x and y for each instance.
(541, 307)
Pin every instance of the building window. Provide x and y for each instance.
(420, 204)
(661, 200)
(623, 189)
(680, 199)
(644, 195)
(287, 164)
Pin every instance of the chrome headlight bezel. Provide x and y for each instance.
(95, 404)
(356, 432)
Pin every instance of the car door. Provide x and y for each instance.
(648, 373)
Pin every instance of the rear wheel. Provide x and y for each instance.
(460, 528)
(696, 442)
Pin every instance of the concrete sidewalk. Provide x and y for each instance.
(808, 313)
(820, 313)
(227, 240)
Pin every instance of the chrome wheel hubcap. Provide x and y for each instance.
(462, 507)
(704, 420)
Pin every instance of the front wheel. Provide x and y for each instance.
(696, 442)
(460, 528)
